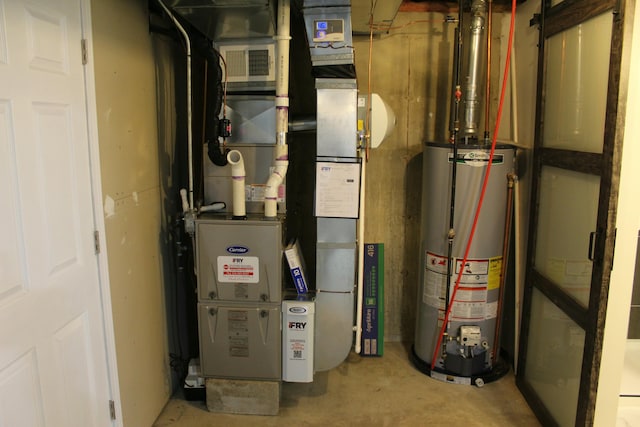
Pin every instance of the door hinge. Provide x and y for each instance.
(85, 54)
(96, 241)
(616, 10)
(112, 409)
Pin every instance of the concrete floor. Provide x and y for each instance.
(385, 391)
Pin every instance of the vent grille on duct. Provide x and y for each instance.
(259, 62)
(236, 63)
(249, 62)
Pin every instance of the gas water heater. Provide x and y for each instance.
(467, 348)
(462, 277)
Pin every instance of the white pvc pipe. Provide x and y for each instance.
(234, 157)
(189, 99)
(281, 155)
(215, 206)
(283, 38)
(185, 202)
(280, 167)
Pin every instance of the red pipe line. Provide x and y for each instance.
(484, 186)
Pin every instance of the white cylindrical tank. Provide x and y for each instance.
(469, 342)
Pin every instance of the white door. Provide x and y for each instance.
(53, 364)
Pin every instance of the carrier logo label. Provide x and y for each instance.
(237, 249)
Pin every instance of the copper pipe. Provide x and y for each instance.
(511, 179)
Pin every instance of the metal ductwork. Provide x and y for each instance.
(238, 19)
(229, 19)
(328, 25)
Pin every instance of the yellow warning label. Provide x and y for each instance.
(495, 266)
(360, 124)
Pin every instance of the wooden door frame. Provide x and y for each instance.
(606, 165)
(96, 187)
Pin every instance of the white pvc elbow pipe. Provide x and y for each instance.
(273, 185)
(238, 174)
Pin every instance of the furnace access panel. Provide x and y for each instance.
(240, 266)
(239, 260)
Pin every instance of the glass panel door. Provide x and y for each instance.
(570, 237)
(568, 204)
(576, 86)
(554, 358)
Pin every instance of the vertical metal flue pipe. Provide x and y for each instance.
(472, 78)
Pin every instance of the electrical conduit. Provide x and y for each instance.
(189, 99)
(483, 191)
(281, 155)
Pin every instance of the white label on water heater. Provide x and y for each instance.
(238, 269)
(471, 299)
(477, 158)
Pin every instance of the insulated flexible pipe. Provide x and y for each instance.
(189, 99)
(234, 157)
(484, 186)
(281, 155)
